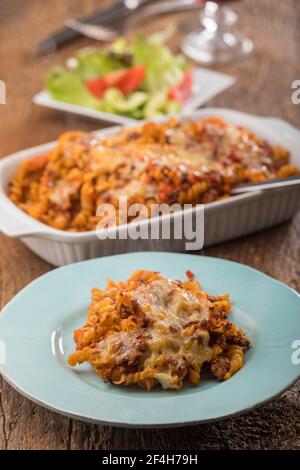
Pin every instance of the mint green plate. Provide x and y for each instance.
(36, 328)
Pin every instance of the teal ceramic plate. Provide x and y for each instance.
(36, 328)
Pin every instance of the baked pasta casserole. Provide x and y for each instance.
(155, 163)
(152, 330)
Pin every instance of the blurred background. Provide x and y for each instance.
(263, 78)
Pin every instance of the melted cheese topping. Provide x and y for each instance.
(169, 309)
(170, 305)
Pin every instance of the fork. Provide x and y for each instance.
(101, 33)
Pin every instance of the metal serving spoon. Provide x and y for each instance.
(270, 184)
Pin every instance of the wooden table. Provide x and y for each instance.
(263, 87)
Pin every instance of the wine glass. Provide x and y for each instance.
(218, 41)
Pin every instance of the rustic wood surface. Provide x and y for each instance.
(263, 87)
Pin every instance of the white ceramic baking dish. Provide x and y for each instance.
(223, 220)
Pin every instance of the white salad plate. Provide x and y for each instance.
(207, 84)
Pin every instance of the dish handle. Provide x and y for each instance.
(15, 224)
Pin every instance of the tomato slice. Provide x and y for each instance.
(126, 80)
(132, 79)
(182, 91)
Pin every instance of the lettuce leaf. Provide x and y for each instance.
(164, 69)
(114, 101)
(69, 87)
(91, 63)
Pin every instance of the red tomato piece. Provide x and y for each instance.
(189, 274)
(126, 80)
(182, 91)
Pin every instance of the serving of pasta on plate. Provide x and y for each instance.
(150, 330)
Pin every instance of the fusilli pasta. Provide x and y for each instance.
(151, 330)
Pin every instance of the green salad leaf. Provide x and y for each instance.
(163, 68)
(69, 87)
(159, 105)
(91, 63)
(114, 101)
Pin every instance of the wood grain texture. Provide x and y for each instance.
(263, 87)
